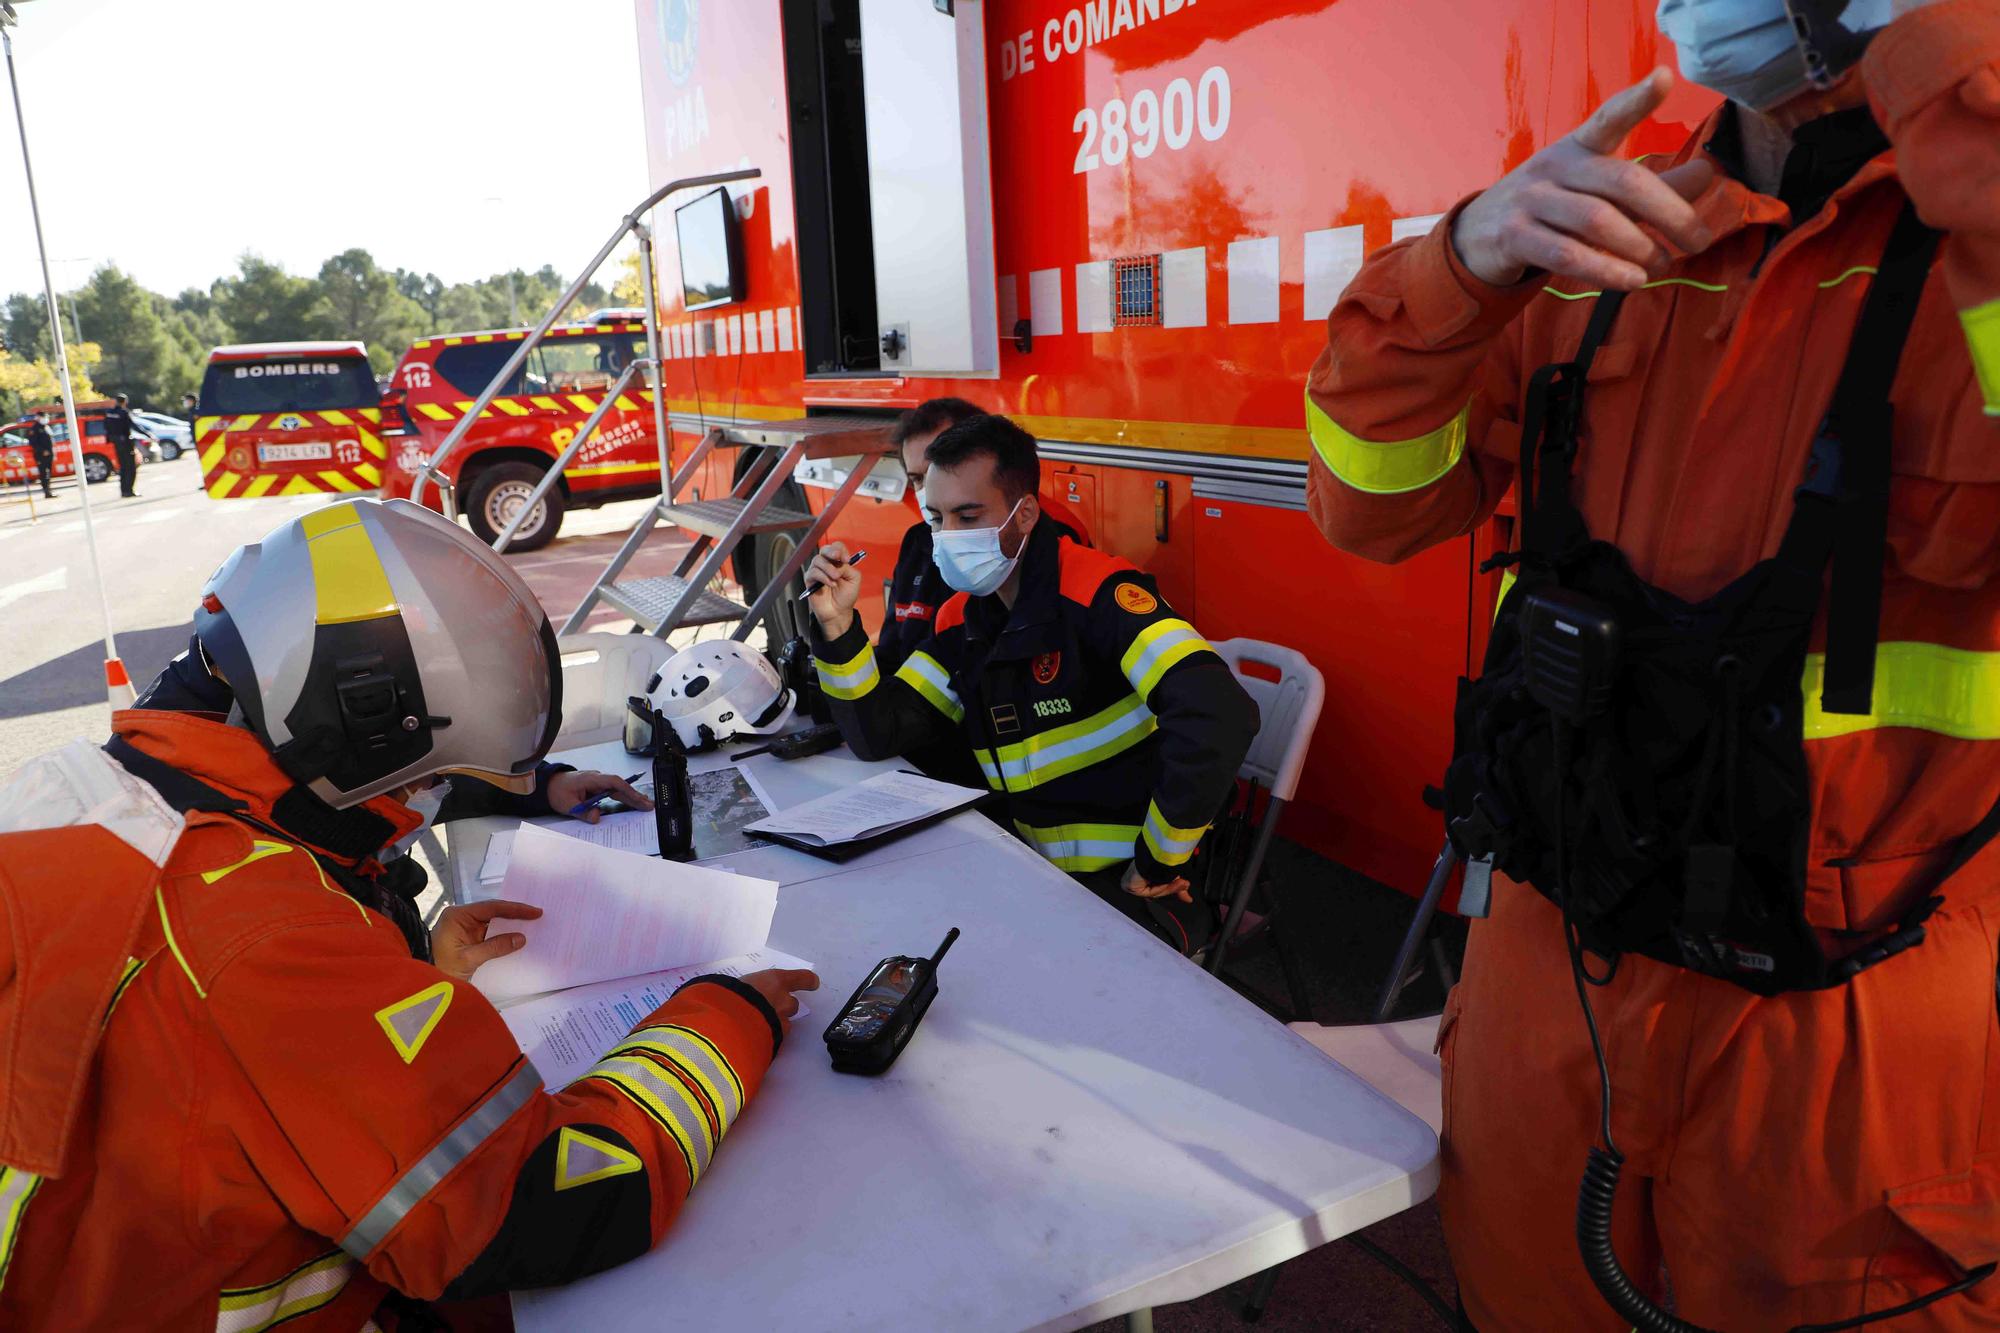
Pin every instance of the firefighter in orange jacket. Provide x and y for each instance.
(241, 1100)
(1800, 1154)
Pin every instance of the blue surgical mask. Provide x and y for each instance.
(972, 560)
(1747, 50)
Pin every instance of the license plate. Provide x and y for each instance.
(294, 453)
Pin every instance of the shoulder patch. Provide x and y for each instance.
(1136, 599)
(582, 1158)
(410, 1022)
(1086, 569)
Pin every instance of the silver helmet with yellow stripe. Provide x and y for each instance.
(372, 644)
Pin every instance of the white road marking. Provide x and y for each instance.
(55, 580)
(74, 525)
(159, 516)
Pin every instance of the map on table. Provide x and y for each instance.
(723, 804)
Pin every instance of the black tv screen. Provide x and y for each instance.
(711, 251)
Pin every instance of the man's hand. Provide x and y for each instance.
(460, 942)
(570, 789)
(1134, 884)
(776, 986)
(1575, 211)
(838, 589)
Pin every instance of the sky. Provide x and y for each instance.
(460, 137)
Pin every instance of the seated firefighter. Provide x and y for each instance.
(250, 1099)
(1112, 728)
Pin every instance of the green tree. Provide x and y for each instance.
(24, 324)
(262, 303)
(426, 290)
(25, 382)
(360, 300)
(140, 358)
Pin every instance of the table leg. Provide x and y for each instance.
(1139, 1321)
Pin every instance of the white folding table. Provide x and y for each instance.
(1086, 1125)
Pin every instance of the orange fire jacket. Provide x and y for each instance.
(229, 1098)
(1699, 414)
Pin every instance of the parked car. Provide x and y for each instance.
(100, 460)
(510, 447)
(290, 418)
(174, 436)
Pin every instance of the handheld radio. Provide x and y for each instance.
(880, 1017)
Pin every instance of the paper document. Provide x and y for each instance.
(499, 850)
(627, 831)
(722, 805)
(564, 1034)
(608, 913)
(884, 802)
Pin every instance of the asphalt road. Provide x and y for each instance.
(158, 549)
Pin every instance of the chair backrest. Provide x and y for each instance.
(1289, 707)
(600, 672)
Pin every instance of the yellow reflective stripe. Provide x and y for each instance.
(1661, 282)
(610, 469)
(1068, 749)
(1952, 691)
(1386, 467)
(243, 423)
(348, 578)
(1982, 336)
(546, 404)
(1076, 847)
(668, 1102)
(223, 484)
(211, 456)
(1169, 844)
(167, 928)
(309, 1287)
(259, 485)
(927, 676)
(434, 411)
(510, 407)
(300, 486)
(17, 1187)
(583, 403)
(206, 424)
(133, 966)
(338, 481)
(850, 680)
(1858, 268)
(369, 473)
(259, 849)
(373, 445)
(1156, 650)
(698, 1058)
(336, 418)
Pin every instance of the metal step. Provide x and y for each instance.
(823, 437)
(649, 601)
(714, 518)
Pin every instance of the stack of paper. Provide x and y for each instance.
(609, 914)
(882, 804)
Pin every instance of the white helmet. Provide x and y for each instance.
(370, 644)
(716, 690)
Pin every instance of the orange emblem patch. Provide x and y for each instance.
(1046, 667)
(1136, 599)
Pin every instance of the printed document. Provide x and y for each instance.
(608, 913)
(564, 1034)
(883, 803)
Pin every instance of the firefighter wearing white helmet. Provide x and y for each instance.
(713, 691)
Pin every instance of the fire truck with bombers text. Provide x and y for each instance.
(1122, 222)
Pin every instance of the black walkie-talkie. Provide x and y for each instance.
(878, 1019)
(673, 807)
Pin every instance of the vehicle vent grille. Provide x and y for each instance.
(1136, 284)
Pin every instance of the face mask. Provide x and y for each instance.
(972, 561)
(426, 803)
(1744, 49)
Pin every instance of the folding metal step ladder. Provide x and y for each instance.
(668, 602)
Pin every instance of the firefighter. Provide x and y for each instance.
(118, 430)
(1789, 1153)
(44, 447)
(249, 1100)
(1111, 727)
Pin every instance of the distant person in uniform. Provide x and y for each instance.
(189, 406)
(44, 446)
(118, 430)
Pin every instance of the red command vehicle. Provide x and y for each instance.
(535, 417)
(100, 460)
(1123, 222)
(289, 419)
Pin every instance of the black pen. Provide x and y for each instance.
(850, 563)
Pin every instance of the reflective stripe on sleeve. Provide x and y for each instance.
(850, 680)
(1982, 336)
(1387, 467)
(697, 1057)
(1080, 847)
(1952, 691)
(1070, 749)
(308, 1287)
(17, 1189)
(1170, 845)
(1156, 650)
(927, 676)
(668, 1101)
(434, 1165)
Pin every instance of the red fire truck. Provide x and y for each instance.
(1122, 222)
(292, 418)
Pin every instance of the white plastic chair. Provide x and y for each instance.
(600, 672)
(1288, 710)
